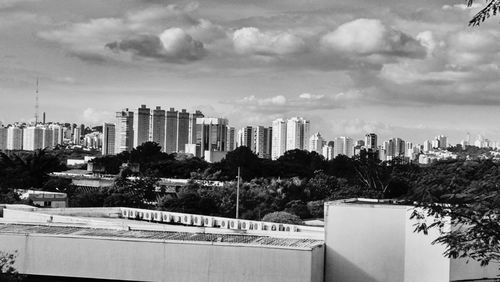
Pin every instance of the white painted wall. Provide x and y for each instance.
(159, 261)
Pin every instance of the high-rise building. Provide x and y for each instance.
(230, 143)
(77, 134)
(262, 141)
(141, 125)
(124, 131)
(328, 151)
(278, 138)
(32, 138)
(3, 138)
(192, 126)
(316, 143)
(108, 139)
(442, 142)
(394, 148)
(427, 146)
(297, 134)
(14, 138)
(48, 137)
(245, 137)
(182, 130)
(211, 134)
(343, 146)
(158, 127)
(57, 134)
(171, 131)
(371, 141)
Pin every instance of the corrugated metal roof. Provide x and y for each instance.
(253, 240)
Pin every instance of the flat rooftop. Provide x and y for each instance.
(227, 239)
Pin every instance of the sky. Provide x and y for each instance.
(399, 68)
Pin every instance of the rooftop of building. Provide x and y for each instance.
(251, 240)
(369, 202)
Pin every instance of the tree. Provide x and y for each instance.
(491, 9)
(282, 217)
(467, 196)
(7, 270)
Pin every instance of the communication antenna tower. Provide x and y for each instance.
(36, 102)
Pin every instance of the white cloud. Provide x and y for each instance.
(250, 40)
(178, 44)
(371, 37)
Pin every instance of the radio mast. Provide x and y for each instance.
(36, 102)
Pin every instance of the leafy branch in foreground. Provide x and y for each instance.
(465, 209)
(491, 9)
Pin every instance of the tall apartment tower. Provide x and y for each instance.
(230, 142)
(343, 146)
(141, 125)
(262, 141)
(246, 137)
(171, 131)
(316, 143)
(14, 138)
(278, 138)
(77, 134)
(32, 138)
(297, 134)
(211, 134)
(158, 127)
(3, 138)
(57, 134)
(108, 139)
(182, 130)
(371, 141)
(48, 137)
(124, 131)
(192, 126)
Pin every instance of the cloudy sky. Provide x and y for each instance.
(412, 69)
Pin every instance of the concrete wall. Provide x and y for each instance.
(377, 243)
(107, 258)
(363, 244)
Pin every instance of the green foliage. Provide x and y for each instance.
(7, 270)
(282, 217)
(467, 195)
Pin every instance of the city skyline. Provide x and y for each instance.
(421, 74)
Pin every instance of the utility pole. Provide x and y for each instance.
(238, 195)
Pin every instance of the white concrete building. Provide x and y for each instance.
(316, 143)
(278, 138)
(142, 117)
(14, 138)
(297, 134)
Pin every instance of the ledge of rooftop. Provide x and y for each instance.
(371, 202)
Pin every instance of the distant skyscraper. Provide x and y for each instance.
(141, 125)
(278, 138)
(124, 131)
(245, 137)
(182, 130)
(77, 135)
(171, 131)
(192, 126)
(395, 147)
(328, 151)
(32, 138)
(3, 138)
(230, 138)
(297, 134)
(211, 134)
(14, 138)
(158, 127)
(442, 141)
(48, 137)
(427, 146)
(108, 139)
(343, 146)
(262, 141)
(316, 143)
(371, 141)
(57, 134)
